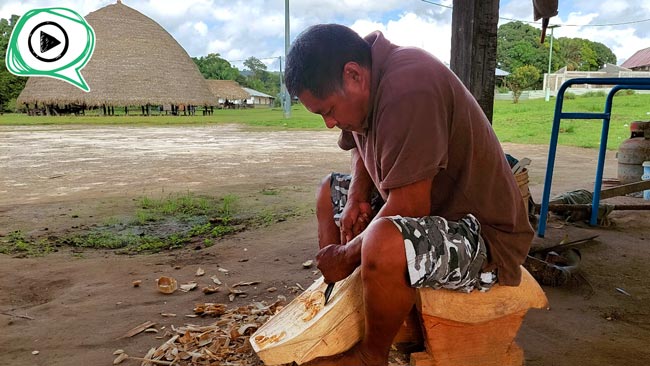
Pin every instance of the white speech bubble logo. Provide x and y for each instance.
(51, 42)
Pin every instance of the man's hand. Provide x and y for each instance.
(334, 262)
(354, 219)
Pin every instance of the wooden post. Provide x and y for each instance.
(474, 48)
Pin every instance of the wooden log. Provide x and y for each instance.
(306, 329)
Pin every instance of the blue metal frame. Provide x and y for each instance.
(619, 84)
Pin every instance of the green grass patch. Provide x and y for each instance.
(530, 121)
(17, 244)
(159, 224)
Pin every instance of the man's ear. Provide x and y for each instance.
(355, 75)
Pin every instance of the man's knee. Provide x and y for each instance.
(383, 247)
(324, 195)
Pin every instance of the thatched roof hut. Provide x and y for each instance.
(135, 62)
(227, 89)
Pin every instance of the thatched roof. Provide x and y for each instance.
(227, 89)
(135, 62)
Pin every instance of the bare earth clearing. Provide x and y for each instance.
(57, 179)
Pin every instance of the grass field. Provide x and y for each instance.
(528, 122)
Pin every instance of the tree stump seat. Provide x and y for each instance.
(478, 328)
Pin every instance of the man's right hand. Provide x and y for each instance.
(354, 219)
(337, 262)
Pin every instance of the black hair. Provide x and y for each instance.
(316, 59)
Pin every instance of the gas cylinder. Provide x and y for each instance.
(633, 152)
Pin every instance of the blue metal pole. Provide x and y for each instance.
(555, 131)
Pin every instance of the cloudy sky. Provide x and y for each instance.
(238, 29)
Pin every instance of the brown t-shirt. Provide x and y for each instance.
(423, 123)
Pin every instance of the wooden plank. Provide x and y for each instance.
(625, 189)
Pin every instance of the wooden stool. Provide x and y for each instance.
(476, 329)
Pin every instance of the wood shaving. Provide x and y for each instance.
(210, 289)
(215, 279)
(264, 341)
(225, 342)
(121, 357)
(250, 283)
(313, 303)
(200, 272)
(187, 287)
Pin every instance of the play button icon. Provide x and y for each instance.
(52, 41)
(48, 42)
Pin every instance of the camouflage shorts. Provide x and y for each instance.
(439, 253)
(339, 184)
(444, 254)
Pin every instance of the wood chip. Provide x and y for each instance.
(118, 352)
(272, 289)
(187, 287)
(307, 264)
(139, 329)
(223, 270)
(121, 357)
(137, 283)
(200, 272)
(151, 330)
(250, 283)
(210, 290)
(215, 280)
(167, 315)
(35, 353)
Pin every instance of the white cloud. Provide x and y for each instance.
(201, 28)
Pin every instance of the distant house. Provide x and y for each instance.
(500, 77)
(640, 61)
(228, 93)
(258, 99)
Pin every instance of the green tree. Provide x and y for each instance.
(522, 78)
(10, 85)
(213, 66)
(260, 79)
(518, 45)
(603, 54)
(257, 67)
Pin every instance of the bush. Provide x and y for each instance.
(523, 77)
(590, 94)
(10, 106)
(502, 89)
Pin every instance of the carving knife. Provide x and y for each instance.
(328, 291)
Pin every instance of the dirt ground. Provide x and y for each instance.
(73, 307)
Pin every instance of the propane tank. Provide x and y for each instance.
(633, 152)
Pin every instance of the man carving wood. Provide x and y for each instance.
(430, 200)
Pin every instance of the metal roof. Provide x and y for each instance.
(639, 59)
